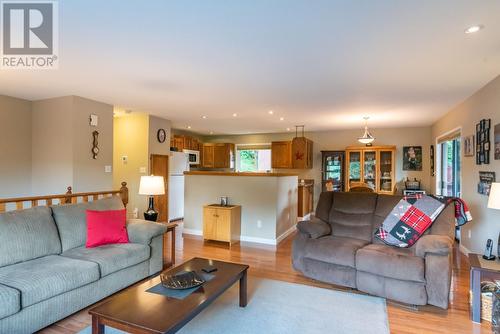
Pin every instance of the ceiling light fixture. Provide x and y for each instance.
(270, 112)
(235, 114)
(367, 136)
(189, 126)
(211, 132)
(474, 28)
(287, 129)
(204, 117)
(282, 118)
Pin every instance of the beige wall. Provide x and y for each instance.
(62, 142)
(52, 145)
(155, 147)
(15, 147)
(89, 174)
(130, 139)
(483, 104)
(339, 140)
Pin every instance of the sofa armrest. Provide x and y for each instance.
(142, 231)
(433, 244)
(315, 228)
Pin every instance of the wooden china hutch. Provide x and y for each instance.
(371, 165)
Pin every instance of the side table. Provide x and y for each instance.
(170, 228)
(480, 269)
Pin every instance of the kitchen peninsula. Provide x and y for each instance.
(268, 202)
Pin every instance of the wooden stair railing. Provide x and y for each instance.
(67, 198)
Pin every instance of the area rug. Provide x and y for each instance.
(276, 307)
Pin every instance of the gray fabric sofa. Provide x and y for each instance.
(338, 246)
(46, 273)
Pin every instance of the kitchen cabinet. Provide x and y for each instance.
(218, 155)
(222, 223)
(184, 142)
(373, 166)
(333, 170)
(281, 154)
(295, 154)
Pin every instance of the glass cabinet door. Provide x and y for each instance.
(386, 171)
(370, 168)
(354, 167)
(333, 170)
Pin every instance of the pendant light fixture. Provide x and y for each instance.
(367, 136)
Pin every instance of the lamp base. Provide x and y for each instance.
(151, 214)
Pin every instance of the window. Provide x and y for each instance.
(448, 173)
(253, 158)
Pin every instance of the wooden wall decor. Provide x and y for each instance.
(483, 142)
(95, 143)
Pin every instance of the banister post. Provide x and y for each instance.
(69, 192)
(124, 193)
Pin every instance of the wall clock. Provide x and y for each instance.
(95, 148)
(161, 135)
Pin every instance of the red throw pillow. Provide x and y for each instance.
(106, 227)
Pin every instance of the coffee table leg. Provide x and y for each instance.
(243, 290)
(97, 328)
(173, 246)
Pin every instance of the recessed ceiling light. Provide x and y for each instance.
(204, 117)
(189, 126)
(270, 112)
(287, 129)
(282, 118)
(235, 114)
(211, 132)
(474, 28)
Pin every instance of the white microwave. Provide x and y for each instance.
(193, 157)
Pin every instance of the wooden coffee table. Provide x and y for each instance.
(138, 311)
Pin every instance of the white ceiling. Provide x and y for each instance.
(325, 64)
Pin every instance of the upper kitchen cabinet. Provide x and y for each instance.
(281, 154)
(218, 155)
(295, 154)
(182, 142)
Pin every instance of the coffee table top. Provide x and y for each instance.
(154, 313)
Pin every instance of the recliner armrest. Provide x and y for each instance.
(433, 244)
(315, 228)
(142, 231)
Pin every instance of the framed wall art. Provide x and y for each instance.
(412, 158)
(497, 142)
(483, 142)
(469, 146)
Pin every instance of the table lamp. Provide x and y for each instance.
(494, 203)
(151, 186)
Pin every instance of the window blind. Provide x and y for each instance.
(450, 136)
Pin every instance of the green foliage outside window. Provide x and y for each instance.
(248, 160)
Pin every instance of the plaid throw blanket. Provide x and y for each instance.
(414, 214)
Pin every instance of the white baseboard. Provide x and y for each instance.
(286, 234)
(244, 238)
(464, 250)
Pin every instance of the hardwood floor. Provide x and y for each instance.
(267, 262)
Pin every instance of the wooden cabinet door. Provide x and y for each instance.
(223, 225)
(221, 156)
(210, 223)
(159, 166)
(208, 156)
(281, 154)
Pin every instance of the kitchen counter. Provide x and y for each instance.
(268, 202)
(219, 173)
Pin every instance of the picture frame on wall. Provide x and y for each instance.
(432, 160)
(497, 141)
(485, 181)
(412, 158)
(469, 146)
(483, 142)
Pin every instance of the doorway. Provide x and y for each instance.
(449, 182)
(159, 167)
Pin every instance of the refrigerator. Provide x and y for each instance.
(177, 165)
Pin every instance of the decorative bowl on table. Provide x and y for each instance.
(182, 280)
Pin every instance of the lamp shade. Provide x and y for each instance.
(152, 185)
(494, 200)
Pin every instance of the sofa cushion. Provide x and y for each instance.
(335, 250)
(46, 277)
(71, 219)
(27, 234)
(10, 301)
(324, 205)
(111, 258)
(387, 261)
(351, 215)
